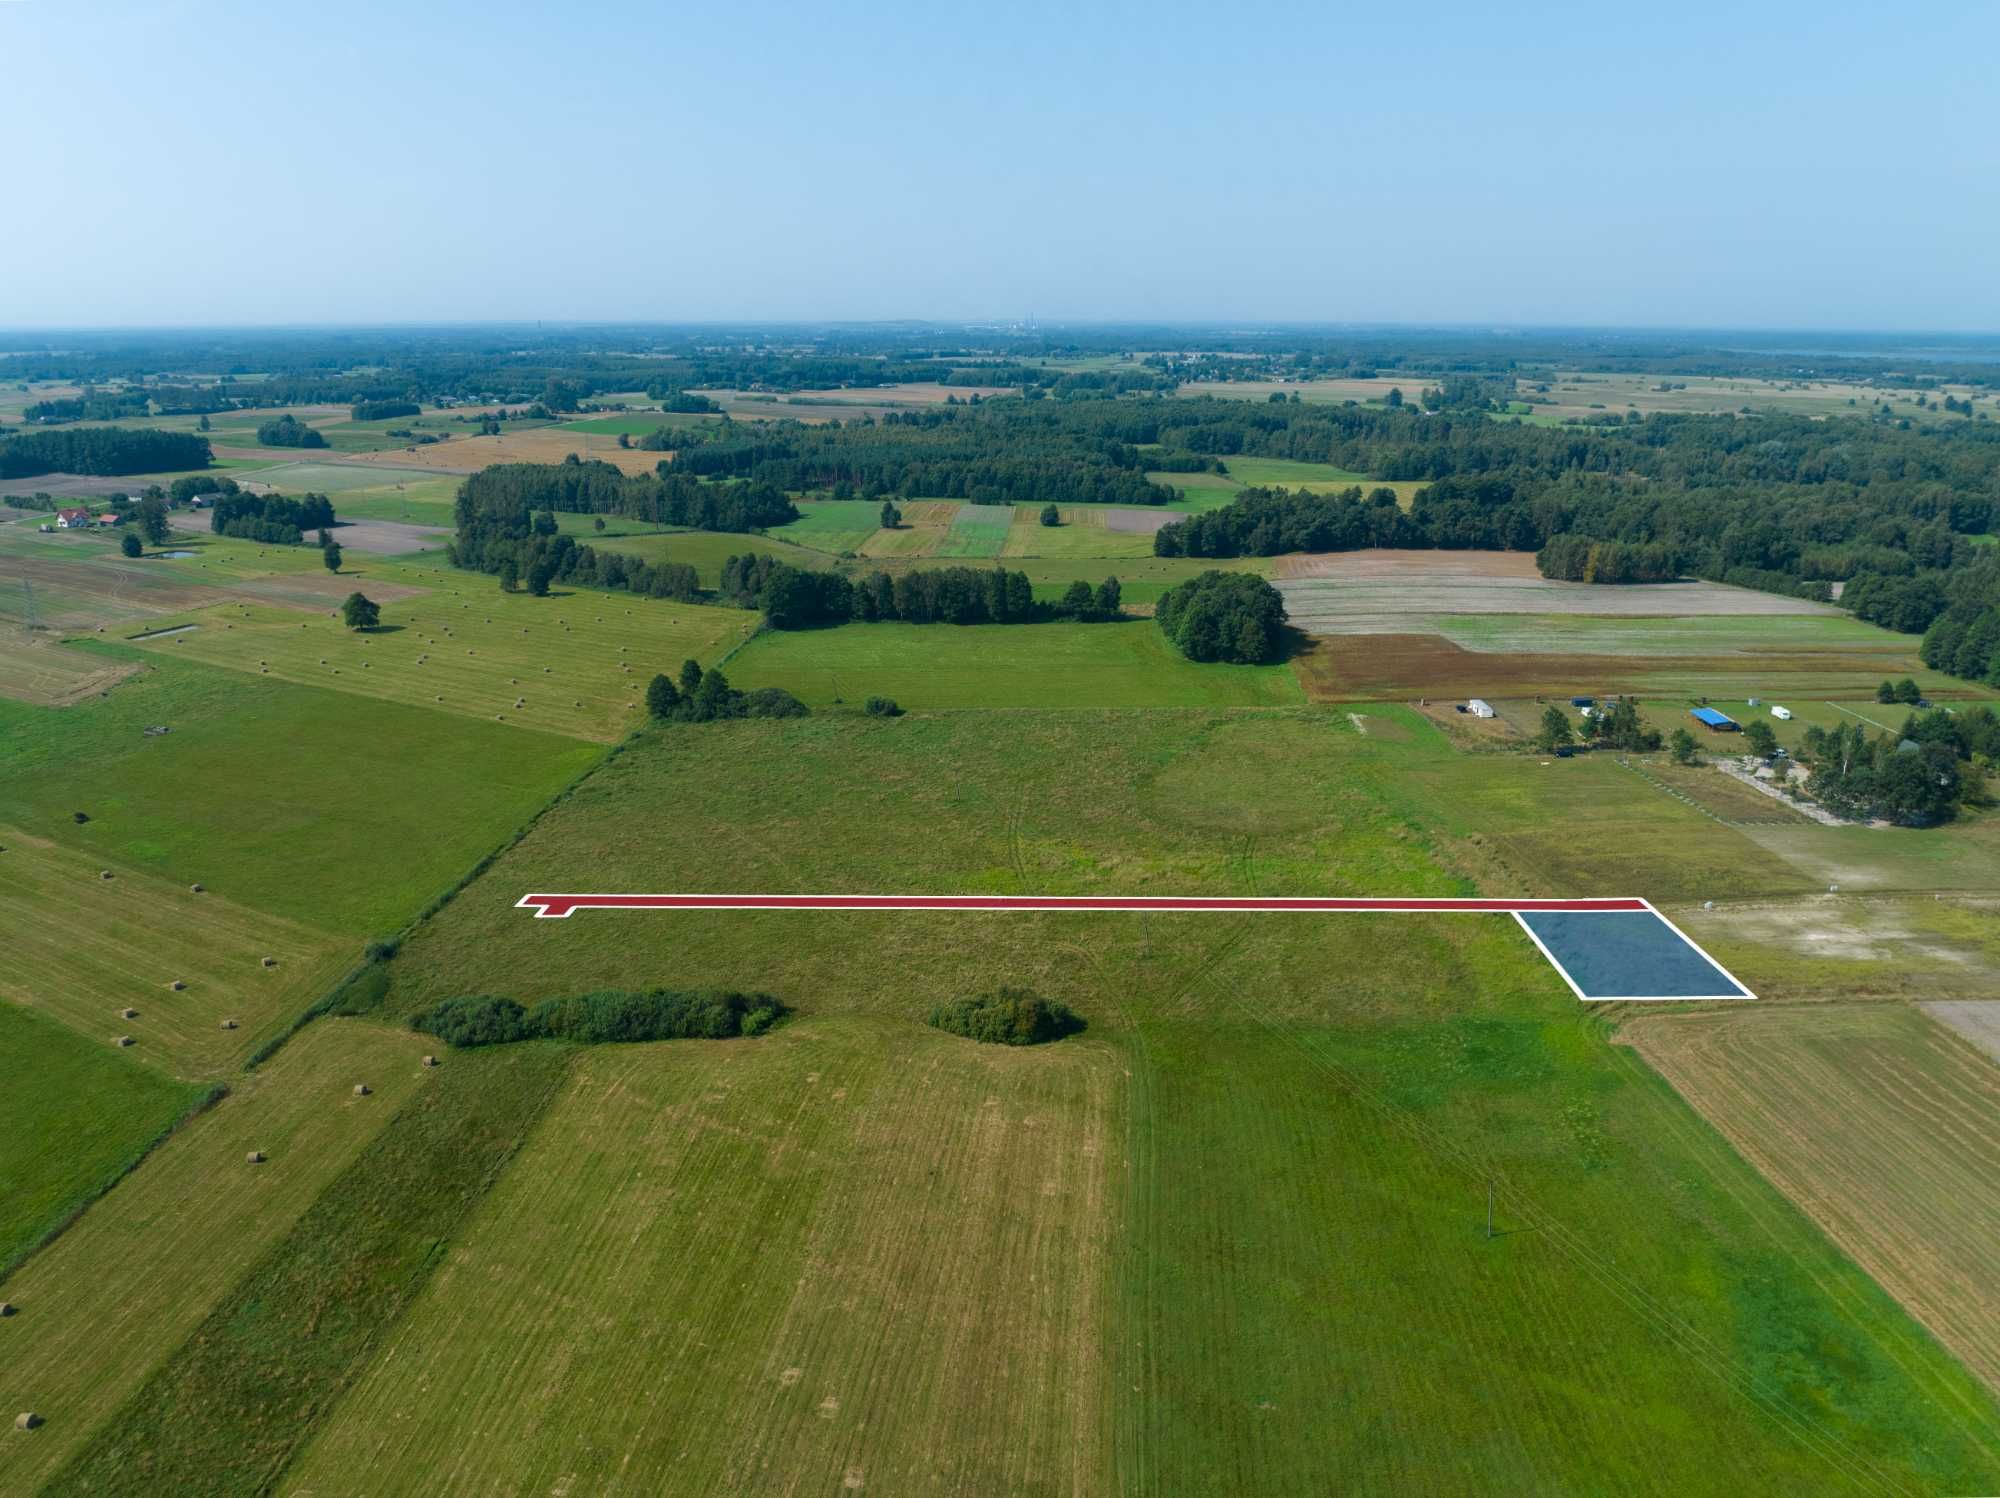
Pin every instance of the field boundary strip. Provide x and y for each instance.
(1607, 969)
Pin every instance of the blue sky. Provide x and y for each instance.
(1769, 165)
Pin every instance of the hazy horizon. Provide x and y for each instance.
(196, 165)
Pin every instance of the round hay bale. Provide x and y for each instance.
(255, 1157)
(430, 1061)
(176, 986)
(270, 962)
(361, 1089)
(122, 1041)
(104, 873)
(27, 1420)
(229, 1024)
(194, 889)
(6, 1309)
(128, 1013)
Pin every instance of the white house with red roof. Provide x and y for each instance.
(72, 520)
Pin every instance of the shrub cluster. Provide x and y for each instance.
(384, 410)
(1224, 616)
(608, 1016)
(704, 696)
(1007, 1016)
(288, 431)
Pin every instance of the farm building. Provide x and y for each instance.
(1479, 708)
(1714, 721)
(72, 520)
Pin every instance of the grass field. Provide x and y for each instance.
(636, 423)
(106, 1303)
(1296, 1171)
(290, 800)
(563, 659)
(34, 668)
(132, 936)
(833, 525)
(706, 551)
(230, 1407)
(868, 1169)
(102, 1109)
(1001, 665)
(978, 531)
(1083, 533)
(1881, 1124)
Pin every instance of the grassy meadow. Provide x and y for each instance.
(292, 800)
(102, 1306)
(104, 1109)
(1001, 665)
(1298, 1149)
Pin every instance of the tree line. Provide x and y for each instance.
(271, 518)
(101, 451)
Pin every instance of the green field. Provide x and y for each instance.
(572, 663)
(146, 933)
(833, 525)
(1294, 1146)
(636, 423)
(79, 1091)
(335, 479)
(292, 800)
(103, 1305)
(1083, 533)
(1002, 665)
(705, 551)
(978, 531)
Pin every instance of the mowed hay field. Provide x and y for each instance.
(573, 663)
(63, 1087)
(104, 1304)
(1297, 1293)
(1085, 532)
(831, 1258)
(1002, 665)
(122, 942)
(1881, 1124)
(341, 812)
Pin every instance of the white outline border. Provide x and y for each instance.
(1163, 905)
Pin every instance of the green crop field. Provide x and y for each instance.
(1002, 665)
(1083, 533)
(145, 934)
(65, 1088)
(291, 800)
(833, 525)
(335, 479)
(1282, 1155)
(103, 1305)
(706, 551)
(572, 663)
(978, 531)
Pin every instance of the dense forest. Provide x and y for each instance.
(270, 518)
(101, 451)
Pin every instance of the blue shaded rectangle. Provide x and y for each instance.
(1627, 954)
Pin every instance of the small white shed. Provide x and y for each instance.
(1479, 708)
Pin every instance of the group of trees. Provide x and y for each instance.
(1615, 724)
(706, 696)
(383, 410)
(1915, 779)
(1964, 638)
(1578, 559)
(605, 1017)
(270, 518)
(92, 405)
(1007, 1016)
(800, 598)
(101, 450)
(1224, 616)
(288, 431)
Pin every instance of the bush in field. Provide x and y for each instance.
(471, 1021)
(1007, 1016)
(288, 431)
(608, 1016)
(129, 545)
(882, 707)
(1224, 616)
(773, 702)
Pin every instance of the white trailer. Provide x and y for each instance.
(1782, 714)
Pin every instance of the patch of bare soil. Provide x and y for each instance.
(1140, 522)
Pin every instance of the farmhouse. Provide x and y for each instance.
(72, 520)
(1714, 721)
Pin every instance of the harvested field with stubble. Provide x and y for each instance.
(107, 1301)
(1881, 1125)
(126, 940)
(841, 1254)
(550, 444)
(36, 669)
